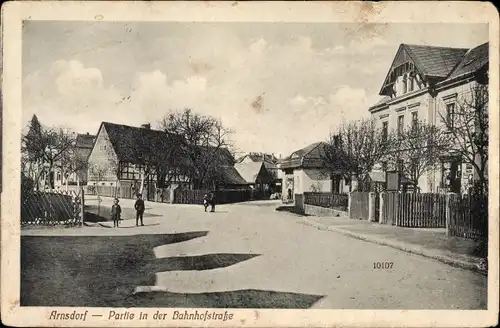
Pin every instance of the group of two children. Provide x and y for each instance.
(116, 211)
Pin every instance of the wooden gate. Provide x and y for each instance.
(391, 207)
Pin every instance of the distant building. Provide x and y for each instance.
(422, 82)
(257, 176)
(83, 147)
(270, 162)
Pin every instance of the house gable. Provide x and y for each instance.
(423, 65)
(102, 155)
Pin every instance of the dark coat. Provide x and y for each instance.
(139, 206)
(116, 212)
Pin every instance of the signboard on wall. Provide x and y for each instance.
(392, 179)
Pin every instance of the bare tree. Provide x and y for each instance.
(204, 143)
(417, 149)
(44, 147)
(355, 149)
(467, 123)
(72, 161)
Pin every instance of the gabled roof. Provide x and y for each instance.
(231, 176)
(85, 140)
(429, 61)
(134, 144)
(249, 171)
(259, 157)
(434, 61)
(474, 60)
(308, 157)
(139, 145)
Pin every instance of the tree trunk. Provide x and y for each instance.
(141, 188)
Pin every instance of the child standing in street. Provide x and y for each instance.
(205, 201)
(139, 208)
(116, 212)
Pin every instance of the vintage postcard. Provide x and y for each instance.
(250, 164)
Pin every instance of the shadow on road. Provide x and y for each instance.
(290, 209)
(246, 298)
(103, 271)
(201, 262)
(89, 270)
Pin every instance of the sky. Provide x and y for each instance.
(279, 86)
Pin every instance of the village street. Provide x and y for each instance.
(243, 255)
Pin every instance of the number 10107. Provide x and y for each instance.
(382, 265)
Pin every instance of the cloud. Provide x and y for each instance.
(278, 97)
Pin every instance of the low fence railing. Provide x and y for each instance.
(51, 207)
(186, 196)
(327, 200)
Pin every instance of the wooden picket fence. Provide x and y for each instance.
(426, 210)
(52, 207)
(359, 205)
(468, 217)
(327, 200)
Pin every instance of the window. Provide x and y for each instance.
(411, 83)
(404, 84)
(401, 121)
(102, 147)
(385, 130)
(58, 178)
(450, 113)
(414, 119)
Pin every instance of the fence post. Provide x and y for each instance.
(172, 195)
(82, 205)
(381, 217)
(349, 204)
(371, 206)
(448, 213)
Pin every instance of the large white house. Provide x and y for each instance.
(426, 83)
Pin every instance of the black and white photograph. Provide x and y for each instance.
(168, 171)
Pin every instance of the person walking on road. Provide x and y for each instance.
(116, 212)
(139, 208)
(211, 198)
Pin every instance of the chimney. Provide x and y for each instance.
(87, 133)
(146, 126)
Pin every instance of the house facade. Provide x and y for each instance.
(427, 83)
(304, 171)
(128, 156)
